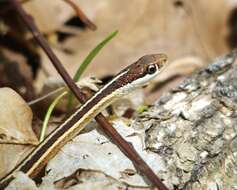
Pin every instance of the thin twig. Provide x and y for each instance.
(81, 15)
(76, 8)
(24, 1)
(107, 128)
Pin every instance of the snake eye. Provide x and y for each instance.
(151, 69)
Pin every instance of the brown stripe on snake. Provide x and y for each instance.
(130, 78)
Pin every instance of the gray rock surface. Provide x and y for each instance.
(194, 129)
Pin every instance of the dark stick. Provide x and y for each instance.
(81, 15)
(107, 128)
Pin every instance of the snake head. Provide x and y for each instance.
(147, 65)
(145, 69)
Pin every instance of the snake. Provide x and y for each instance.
(127, 80)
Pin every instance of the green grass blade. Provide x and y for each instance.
(48, 114)
(87, 61)
(92, 54)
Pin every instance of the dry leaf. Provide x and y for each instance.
(15, 119)
(93, 151)
(15, 129)
(22, 181)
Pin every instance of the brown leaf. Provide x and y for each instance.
(15, 119)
